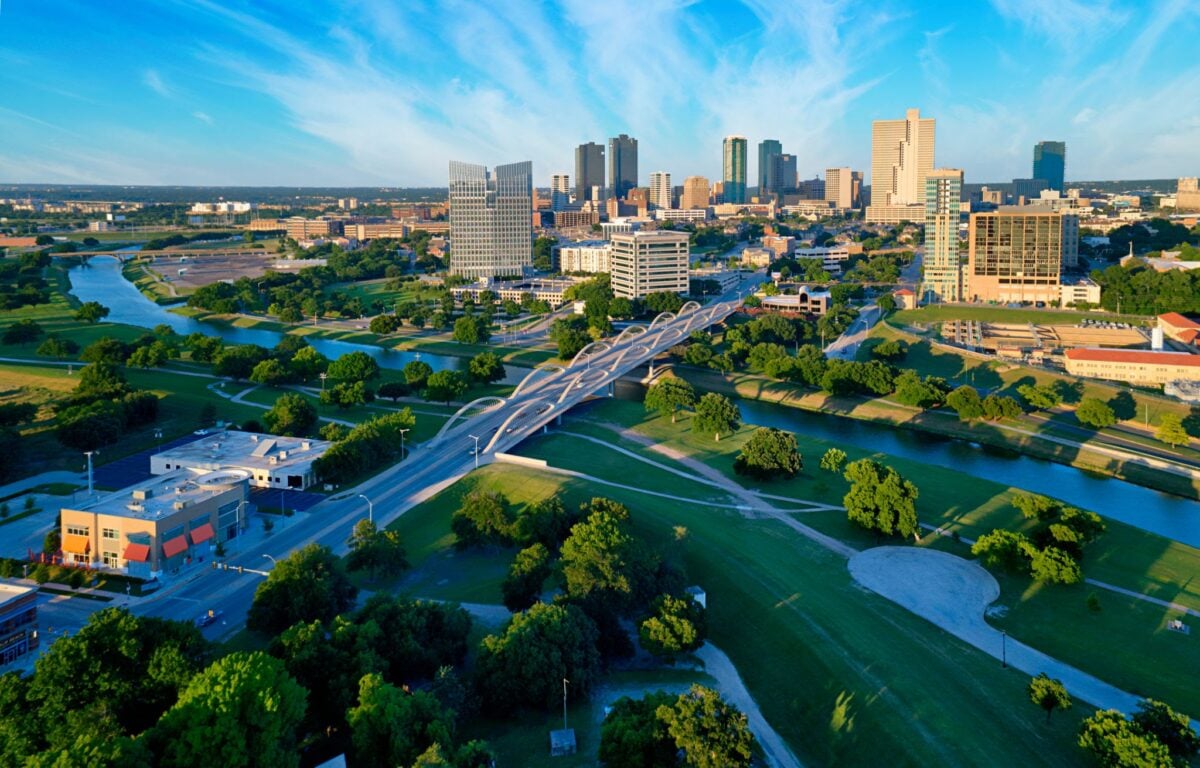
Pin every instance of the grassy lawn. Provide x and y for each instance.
(985, 314)
(785, 609)
(153, 288)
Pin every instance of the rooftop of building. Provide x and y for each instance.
(1178, 321)
(658, 234)
(904, 292)
(585, 244)
(10, 592)
(1026, 210)
(1135, 356)
(164, 495)
(247, 450)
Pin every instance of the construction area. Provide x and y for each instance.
(1021, 340)
(190, 270)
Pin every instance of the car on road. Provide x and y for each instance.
(208, 619)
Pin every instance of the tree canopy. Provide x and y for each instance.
(768, 454)
(308, 584)
(716, 414)
(668, 395)
(880, 499)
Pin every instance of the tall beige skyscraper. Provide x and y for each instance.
(902, 153)
(944, 278)
(660, 189)
(695, 193)
(843, 187)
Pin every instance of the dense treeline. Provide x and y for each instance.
(21, 281)
(1139, 290)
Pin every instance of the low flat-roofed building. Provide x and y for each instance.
(812, 301)
(1149, 367)
(682, 214)
(270, 460)
(158, 525)
(546, 289)
(726, 278)
(832, 257)
(782, 245)
(895, 214)
(1176, 326)
(1081, 289)
(758, 257)
(586, 256)
(18, 621)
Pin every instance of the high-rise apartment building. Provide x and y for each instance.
(491, 229)
(902, 153)
(1017, 253)
(695, 193)
(843, 188)
(589, 171)
(622, 164)
(943, 266)
(781, 175)
(1050, 163)
(767, 148)
(733, 169)
(1028, 190)
(660, 189)
(649, 262)
(1187, 194)
(560, 191)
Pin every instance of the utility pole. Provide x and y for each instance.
(565, 681)
(89, 460)
(476, 439)
(370, 508)
(403, 432)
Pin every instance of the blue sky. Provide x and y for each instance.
(381, 92)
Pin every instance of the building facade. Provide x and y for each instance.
(585, 256)
(943, 265)
(660, 189)
(1050, 163)
(159, 525)
(491, 228)
(1135, 366)
(1187, 194)
(902, 155)
(1017, 254)
(649, 262)
(270, 461)
(767, 150)
(733, 169)
(18, 622)
(560, 191)
(695, 193)
(589, 171)
(781, 175)
(622, 164)
(843, 188)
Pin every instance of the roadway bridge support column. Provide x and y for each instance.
(612, 388)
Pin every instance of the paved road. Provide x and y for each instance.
(845, 347)
(431, 467)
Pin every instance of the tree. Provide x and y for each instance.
(105, 350)
(602, 561)
(570, 335)
(444, 386)
(668, 395)
(1002, 549)
(23, 332)
(471, 330)
(1053, 565)
(270, 372)
(482, 518)
(996, 407)
(716, 414)
(87, 427)
(352, 367)
(1040, 396)
(966, 402)
(1049, 694)
(886, 303)
(486, 368)
(307, 364)
(393, 727)
(308, 584)
(292, 414)
(892, 350)
(91, 312)
(1172, 729)
(833, 460)
(632, 736)
(100, 381)
(710, 732)
(56, 346)
(526, 663)
(1115, 742)
(1095, 413)
(1170, 430)
(238, 362)
(243, 710)
(384, 324)
(880, 499)
(378, 552)
(768, 454)
(528, 572)
(392, 390)
(677, 625)
(416, 372)
(347, 394)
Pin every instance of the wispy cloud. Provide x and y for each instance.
(154, 82)
(1068, 24)
(203, 117)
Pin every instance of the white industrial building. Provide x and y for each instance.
(271, 461)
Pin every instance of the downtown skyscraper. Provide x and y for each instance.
(733, 169)
(901, 157)
(1050, 163)
(622, 164)
(491, 226)
(767, 149)
(943, 265)
(589, 172)
(660, 189)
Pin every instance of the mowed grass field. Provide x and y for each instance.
(845, 676)
(943, 312)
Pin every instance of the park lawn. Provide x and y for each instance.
(806, 641)
(996, 314)
(149, 283)
(376, 290)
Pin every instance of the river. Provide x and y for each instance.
(1165, 514)
(101, 280)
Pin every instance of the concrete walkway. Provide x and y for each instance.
(953, 594)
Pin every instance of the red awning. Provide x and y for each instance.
(174, 546)
(202, 534)
(138, 553)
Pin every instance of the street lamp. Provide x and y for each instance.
(89, 460)
(273, 561)
(1004, 648)
(476, 451)
(370, 508)
(402, 433)
(322, 376)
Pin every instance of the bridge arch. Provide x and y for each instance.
(495, 402)
(690, 306)
(589, 349)
(668, 315)
(513, 417)
(630, 331)
(533, 373)
(577, 381)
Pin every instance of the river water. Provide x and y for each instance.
(101, 280)
(1165, 514)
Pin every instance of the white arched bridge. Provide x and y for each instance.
(492, 424)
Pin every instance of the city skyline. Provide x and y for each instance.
(193, 92)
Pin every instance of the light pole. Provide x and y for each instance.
(370, 508)
(89, 459)
(1004, 649)
(273, 561)
(240, 526)
(322, 376)
(402, 433)
(476, 451)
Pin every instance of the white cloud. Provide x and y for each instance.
(1072, 25)
(154, 82)
(203, 117)
(1083, 116)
